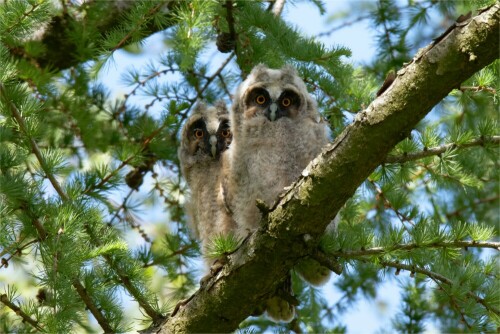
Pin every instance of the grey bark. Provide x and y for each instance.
(290, 230)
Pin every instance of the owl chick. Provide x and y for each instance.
(206, 137)
(277, 131)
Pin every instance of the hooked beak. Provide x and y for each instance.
(272, 109)
(213, 145)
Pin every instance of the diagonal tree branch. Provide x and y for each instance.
(292, 228)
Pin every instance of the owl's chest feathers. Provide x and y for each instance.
(274, 158)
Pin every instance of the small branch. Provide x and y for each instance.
(138, 25)
(481, 141)
(437, 277)
(19, 312)
(478, 89)
(18, 117)
(96, 312)
(126, 161)
(408, 247)
(278, 7)
(123, 207)
(476, 202)
(25, 15)
(19, 250)
(344, 25)
(402, 217)
(217, 73)
(125, 281)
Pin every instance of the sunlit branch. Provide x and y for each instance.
(481, 141)
(478, 89)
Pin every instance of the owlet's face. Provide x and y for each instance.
(209, 138)
(272, 101)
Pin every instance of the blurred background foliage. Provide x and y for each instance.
(85, 175)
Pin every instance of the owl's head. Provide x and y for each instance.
(206, 134)
(272, 94)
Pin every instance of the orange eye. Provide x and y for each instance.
(261, 99)
(286, 102)
(226, 133)
(198, 133)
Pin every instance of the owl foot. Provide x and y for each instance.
(313, 272)
(279, 309)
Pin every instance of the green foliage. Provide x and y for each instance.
(80, 167)
(222, 245)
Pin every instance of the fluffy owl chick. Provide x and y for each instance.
(277, 131)
(206, 136)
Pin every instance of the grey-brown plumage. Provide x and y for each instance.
(206, 136)
(277, 131)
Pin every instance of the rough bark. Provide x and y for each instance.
(291, 229)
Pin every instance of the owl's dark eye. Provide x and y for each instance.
(260, 99)
(198, 133)
(226, 133)
(286, 102)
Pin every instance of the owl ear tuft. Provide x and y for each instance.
(199, 107)
(221, 107)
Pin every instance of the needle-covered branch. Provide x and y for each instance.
(439, 278)
(69, 29)
(481, 141)
(292, 228)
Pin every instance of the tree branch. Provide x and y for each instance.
(26, 318)
(254, 271)
(409, 247)
(481, 141)
(437, 277)
(57, 39)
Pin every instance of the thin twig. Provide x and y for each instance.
(408, 247)
(435, 276)
(138, 25)
(478, 89)
(18, 251)
(18, 117)
(180, 251)
(19, 312)
(344, 25)
(82, 292)
(481, 141)
(398, 213)
(476, 202)
(213, 76)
